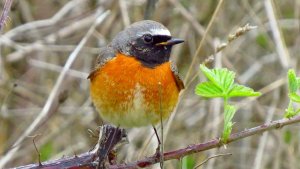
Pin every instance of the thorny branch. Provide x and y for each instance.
(88, 160)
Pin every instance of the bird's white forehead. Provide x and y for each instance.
(156, 31)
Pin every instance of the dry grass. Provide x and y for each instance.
(41, 35)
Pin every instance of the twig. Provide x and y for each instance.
(70, 29)
(231, 37)
(191, 19)
(278, 39)
(56, 68)
(86, 159)
(36, 149)
(214, 156)
(195, 57)
(42, 23)
(53, 95)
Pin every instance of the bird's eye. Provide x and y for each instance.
(148, 38)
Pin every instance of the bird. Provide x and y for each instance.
(134, 83)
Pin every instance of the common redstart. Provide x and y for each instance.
(134, 83)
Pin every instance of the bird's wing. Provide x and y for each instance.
(106, 54)
(177, 77)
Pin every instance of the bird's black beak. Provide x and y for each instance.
(170, 42)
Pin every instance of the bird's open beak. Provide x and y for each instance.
(171, 42)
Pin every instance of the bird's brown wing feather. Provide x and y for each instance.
(177, 77)
(106, 54)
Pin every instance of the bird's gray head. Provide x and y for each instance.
(148, 41)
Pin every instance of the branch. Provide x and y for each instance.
(88, 160)
(177, 154)
(84, 160)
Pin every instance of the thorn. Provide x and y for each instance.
(75, 155)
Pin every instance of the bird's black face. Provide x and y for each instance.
(148, 41)
(153, 50)
(146, 50)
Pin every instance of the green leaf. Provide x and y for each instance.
(298, 81)
(294, 97)
(208, 89)
(229, 113)
(188, 162)
(293, 81)
(221, 84)
(222, 78)
(242, 91)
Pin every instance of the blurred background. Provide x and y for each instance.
(40, 36)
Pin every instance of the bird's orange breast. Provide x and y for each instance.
(128, 94)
